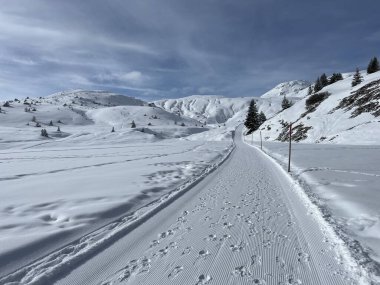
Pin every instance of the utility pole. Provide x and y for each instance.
(290, 145)
(261, 141)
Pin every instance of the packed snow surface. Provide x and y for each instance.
(232, 227)
(344, 180)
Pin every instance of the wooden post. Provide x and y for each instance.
(261, 141)
(290, 145)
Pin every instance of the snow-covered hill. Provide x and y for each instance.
(218, 109)
(295, 88)
(89, 115)
(346, 115)
(93, 98)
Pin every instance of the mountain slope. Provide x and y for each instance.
(347, 115)
(295, 88)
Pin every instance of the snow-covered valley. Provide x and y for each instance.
(116, 171)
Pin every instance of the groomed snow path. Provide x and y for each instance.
(245, 223)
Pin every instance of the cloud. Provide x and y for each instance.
(178, 48)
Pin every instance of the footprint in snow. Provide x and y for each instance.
(211, 238)
(203, 279)
(237, 247)
(175, 272)
(187, 250)
(255, 260)
(241, 271)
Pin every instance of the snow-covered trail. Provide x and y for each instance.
(246, 223)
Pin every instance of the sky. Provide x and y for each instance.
(155, 49)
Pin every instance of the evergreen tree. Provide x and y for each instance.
(357, 79)
(6, 104)
(318, 85)
(133, 125)
(58, 129)
(51, 123)
(252, 121)
(324, 80)
(34, 119)
(335, 77)
(262, 117)
(285, 104)
(373, 66)
(44, 133)
(113, 130)
(310, 90)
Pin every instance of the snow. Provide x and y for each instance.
(259, 224)
(295, 88)
(55, 189)
(90, 205)
(220, 110)
(328, 125)
(342, 180)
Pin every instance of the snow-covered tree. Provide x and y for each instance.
(324, 80)
(51, 123)
(44, 133)
(58, 129)
(113, 130)
(133, 125)
(373, 66)
(335, 77)
(357, 79)
(318, 85)
(285, 104)
(262, 117)
(252, 121)
(310, 90)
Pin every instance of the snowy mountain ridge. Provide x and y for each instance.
(294, 88)
(339, 113)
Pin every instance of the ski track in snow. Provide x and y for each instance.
(245, 223)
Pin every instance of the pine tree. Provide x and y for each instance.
(44, 133)
(310, 90)
(262, 117)
(373, 66)
(58, 129)
(113, 130)
(357, 79)
(335, 77)
(318, 85)
(324, 80)
(51, 123)
(252, 121)
(285, 104)
(133, 125)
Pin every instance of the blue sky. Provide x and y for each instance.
(155, 49)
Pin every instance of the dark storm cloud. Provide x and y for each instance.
(172, 48)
